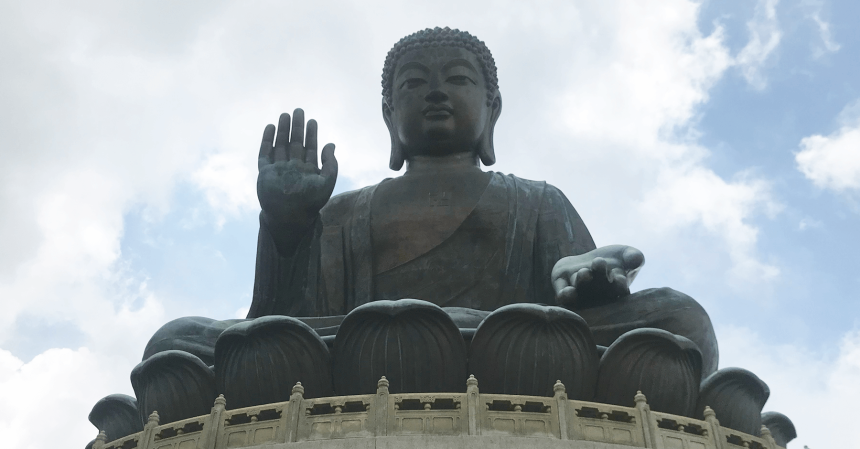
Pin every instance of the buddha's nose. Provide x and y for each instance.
(436, 96)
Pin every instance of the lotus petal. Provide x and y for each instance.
(116, 415)
(737, 397)
(176, 384)
(781, 428)
(666, 367)
(258, 362)
(525, 348)
(413, 343)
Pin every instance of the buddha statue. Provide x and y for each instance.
(415, 283)
(446, 231)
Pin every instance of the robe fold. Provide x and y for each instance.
(502, 253)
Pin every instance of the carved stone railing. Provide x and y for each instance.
(438, 414)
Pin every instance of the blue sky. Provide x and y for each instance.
(721, 138)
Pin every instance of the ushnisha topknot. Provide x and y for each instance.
(441, 37)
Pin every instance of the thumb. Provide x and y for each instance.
(329, 165)
(632, 258)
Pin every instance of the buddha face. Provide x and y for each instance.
(439, 103)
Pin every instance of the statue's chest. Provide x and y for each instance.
(410, 217)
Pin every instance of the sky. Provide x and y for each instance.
(721, 138)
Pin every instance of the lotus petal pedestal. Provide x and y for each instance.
(116, 415)
(259, 361)
(175, 383)
(781, 428)
(737, 396)
(524, 348)
(664, 366)
(413, 343)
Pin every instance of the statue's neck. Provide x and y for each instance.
(419, 165)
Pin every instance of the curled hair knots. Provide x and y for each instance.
(444, 37)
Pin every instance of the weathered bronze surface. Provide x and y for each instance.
(414, 344)
(525, 348)
(258, 361)
(666, 365)
(116, 415)
(175, 384)
(737, 396)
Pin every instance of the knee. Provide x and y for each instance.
(195, 335)
(671, 303)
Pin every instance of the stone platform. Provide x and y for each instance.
(436, 420)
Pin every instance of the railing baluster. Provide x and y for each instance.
(561, 408)
(716, 430)
(649, 428)
(472, 410)
(147, 437)
(290, 416)
(211, 424)
(380, 404)
(767, 436)
(100, 440)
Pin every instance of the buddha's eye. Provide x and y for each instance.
(412, 83)
(460, 80)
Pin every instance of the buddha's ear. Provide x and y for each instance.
(396, 161)
(486, 151)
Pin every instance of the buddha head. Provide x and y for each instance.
(440, 96)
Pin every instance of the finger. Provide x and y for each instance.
(567, 296)
(297, 136)
(283, 137)
(311, 143)
(265, 156)
(598, 268)
(329, 167)
(619, 284)
(581, 277)
(632, 258)
(559, 284)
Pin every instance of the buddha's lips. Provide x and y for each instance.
(437, 111)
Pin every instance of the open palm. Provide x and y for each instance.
(291, 186)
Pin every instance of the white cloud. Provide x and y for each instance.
(698, 196)
(817, 390)
(833, 161)
(809, 223)
(229, 184)
(765, 36)
(828, 44)
(58, 379)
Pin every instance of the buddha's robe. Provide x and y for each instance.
(502, 253)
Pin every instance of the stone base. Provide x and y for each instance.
(436, 420)
(446, 442)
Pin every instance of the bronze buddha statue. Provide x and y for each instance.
(425, 278)
(445, 231)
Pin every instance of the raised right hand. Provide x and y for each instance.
(290, 186)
